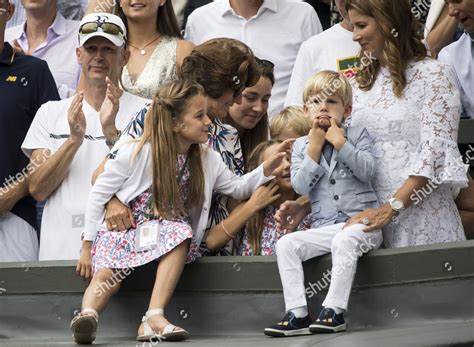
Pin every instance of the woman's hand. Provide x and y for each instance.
(264, 196)
(119, 217)
(291, 213)
(84, 265)
(373, 218)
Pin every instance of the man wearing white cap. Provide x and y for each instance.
(75, 135)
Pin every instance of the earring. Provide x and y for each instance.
(182, 126)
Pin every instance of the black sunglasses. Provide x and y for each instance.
(108, 28)
(264, 63)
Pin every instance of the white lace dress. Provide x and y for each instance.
(416, 135)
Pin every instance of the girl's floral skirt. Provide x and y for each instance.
(116, 250)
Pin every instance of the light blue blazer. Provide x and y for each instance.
(339, 188)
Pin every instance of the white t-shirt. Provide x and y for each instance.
(460, 54)
(333, 49)
(275, 33)
(64, 212)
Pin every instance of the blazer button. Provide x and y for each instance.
(311, 184)
(313, 180)
(333, 181)
(317, 176)
(336, 197)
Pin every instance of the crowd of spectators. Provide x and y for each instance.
(352, 114)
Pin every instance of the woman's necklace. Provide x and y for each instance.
(142, 50)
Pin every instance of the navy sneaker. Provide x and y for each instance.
(328, 322)
(289, 326)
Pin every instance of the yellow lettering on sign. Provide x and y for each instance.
(11, 79)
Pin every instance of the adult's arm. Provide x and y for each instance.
(45, 178)
(221, 233)
(443, 32)
(13, 193)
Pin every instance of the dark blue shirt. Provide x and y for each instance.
(25, 84)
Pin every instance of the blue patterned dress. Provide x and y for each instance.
(224, 139)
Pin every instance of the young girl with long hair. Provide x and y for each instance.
(170, 204)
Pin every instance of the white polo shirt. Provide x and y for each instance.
(460, 55)
(64, 212)
(275, 33)
(333, 49)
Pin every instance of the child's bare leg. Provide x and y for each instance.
(168, 273)
(102, 287)
(104, 284)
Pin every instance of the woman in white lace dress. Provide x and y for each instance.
(410, 105)
(156, 45)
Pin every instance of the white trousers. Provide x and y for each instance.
(18, 240)
(346, 246)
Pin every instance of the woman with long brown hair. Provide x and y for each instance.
(410, 104)
(250, 117)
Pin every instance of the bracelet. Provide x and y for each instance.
(226, 232)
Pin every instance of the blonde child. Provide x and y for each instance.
(167, 178)
(334, 166)
(289, 123)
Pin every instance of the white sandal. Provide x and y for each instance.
(170, 332)
(84, 326)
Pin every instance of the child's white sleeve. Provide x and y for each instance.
(116, 172)
(238, 187)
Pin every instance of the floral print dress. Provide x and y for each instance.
(116, 250)
(224, 139)
(270, 234)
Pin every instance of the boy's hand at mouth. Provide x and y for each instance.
(335, 135)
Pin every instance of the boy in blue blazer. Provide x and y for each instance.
(334, 166)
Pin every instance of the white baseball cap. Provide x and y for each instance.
(107, 25)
